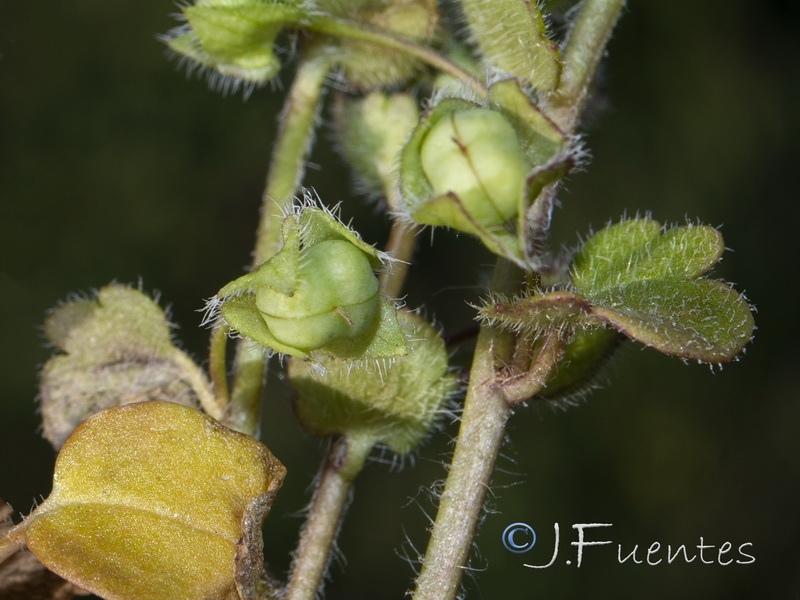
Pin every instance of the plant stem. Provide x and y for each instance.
(13, 540)
(250, 370)
(196, 378)
(293, 141)
(480, 436)
(345, 459)
(217, 368)
(524, 387)
(401, 245)
(581, 57)
(361, 31)
(295, 134)
(486, 407)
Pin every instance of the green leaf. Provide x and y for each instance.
(118, 349)
(512, 37)
(236, 38)
(647, 285)
(637, 250)
(155, 500)
(644, 282)
(703, 320)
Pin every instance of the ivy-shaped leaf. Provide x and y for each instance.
(637, 250)
(647, 284)
(155, 500)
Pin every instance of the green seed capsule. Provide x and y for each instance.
(317, 297)
(481, 169)
(476, 155)
(337, 297)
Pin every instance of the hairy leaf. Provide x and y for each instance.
(512, 36)
(392, 404)
(646, 284)
(637, 250)
(118, 349)
(701, 320)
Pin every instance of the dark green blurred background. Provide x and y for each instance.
(115, 166)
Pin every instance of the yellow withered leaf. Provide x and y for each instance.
(155, 500)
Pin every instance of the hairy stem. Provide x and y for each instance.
(13, 540)
(585, 47)
(387, 39)
(295, 134)
(486, 407)
(344, 461)
(250, 370)
(293, 142)
(479, 440)
(196, 378)
(401, 245)
(217, 366)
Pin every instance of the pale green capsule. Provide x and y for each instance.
(476, 155)
(337, 297)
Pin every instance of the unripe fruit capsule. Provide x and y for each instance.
(337, 297)
(476, 155)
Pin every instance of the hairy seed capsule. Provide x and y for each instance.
(337, 297)
(476, 155)
(316, 297)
